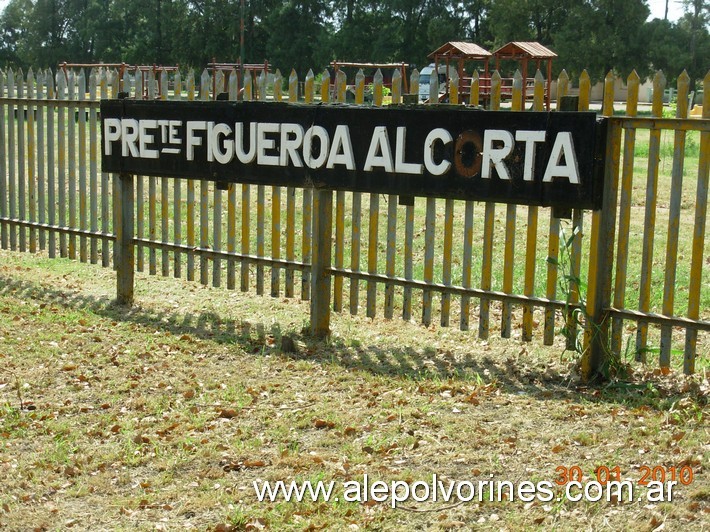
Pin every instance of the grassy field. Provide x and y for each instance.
(163, 415)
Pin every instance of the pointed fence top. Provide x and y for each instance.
(659, 79)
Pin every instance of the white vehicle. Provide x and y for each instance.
(425, 79)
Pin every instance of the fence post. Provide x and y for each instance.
(124, 242)
(596, 352)
(320, 263)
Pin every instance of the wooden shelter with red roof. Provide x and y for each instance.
(525, 52)
(459, 52)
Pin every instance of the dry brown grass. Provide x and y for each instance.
(162, 416)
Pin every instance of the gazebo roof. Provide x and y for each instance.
(465, 50)
(518, 50)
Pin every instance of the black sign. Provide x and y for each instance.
(535, 158)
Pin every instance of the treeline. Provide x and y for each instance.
(598, 35)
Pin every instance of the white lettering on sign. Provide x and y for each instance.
(562, 148)
(291, 139)
(342, 150)
(289, 144)
(438, 134)
(380, 144)
(529, 138)
(494, 154)
(309, 147)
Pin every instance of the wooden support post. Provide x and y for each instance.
(601, 258)
(320, 263)
(124, 242)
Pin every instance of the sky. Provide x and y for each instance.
(675, 9)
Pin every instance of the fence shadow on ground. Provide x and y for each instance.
(408, 363)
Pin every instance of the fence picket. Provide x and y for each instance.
(674, 219)
(325, 86)
(62, 161)
(341, 83)
(396, 87)
(293, 86)
(177, 194)
(190, 222)
(414, 83)
(51, 168)
(654, 146)
(454, 88)
(391, 250)
(233, 93)
(204, 195)
(11, 161)
(307, 208)
(511, 213)
(489, 219)
(260, 230)
(696, 261)
(164, 194)
(466, 265)
(531, 234)
(474, 94)
(140, 189)
(246, 205)
(260, 212)
(578, 232)
(433, 89)
(261, 81)
(429, 242)
(93, 166)
(278, 86)
(408, 262)
(355, 251)
(377, 88)
(446, 259)
(104, 77)
(291, 203)
(31, 161)
(71, 158)
(339, 215)
(372, 241)
(553, 242)
(356, 213)
(3, 164)
(308, 88)
(217, 191)
(339, 249)
(83, 189)
(275, 239)
(21, 152)
(626, 187)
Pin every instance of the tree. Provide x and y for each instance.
(603, 35)
(297, 35)
(695, 24)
